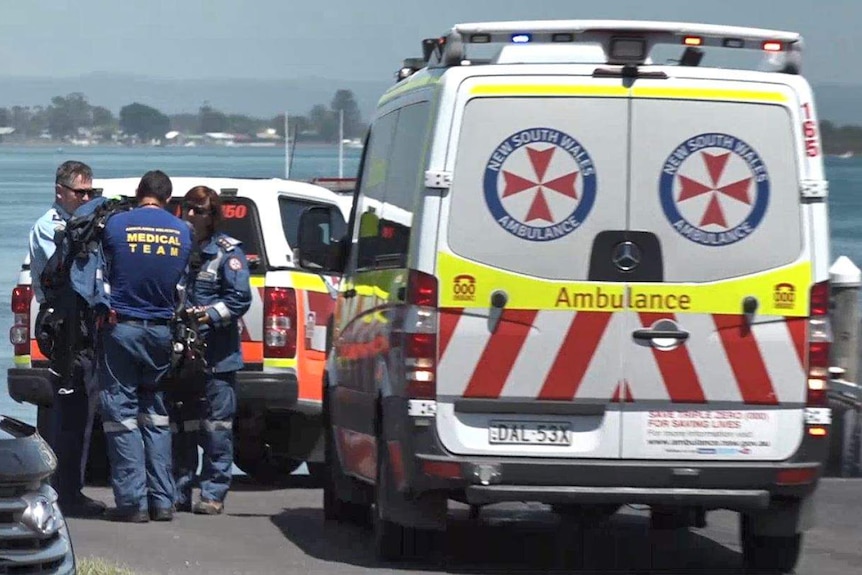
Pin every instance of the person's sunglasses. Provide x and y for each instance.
(92, 192)
(196, 209)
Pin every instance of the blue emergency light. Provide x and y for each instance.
(521, 38)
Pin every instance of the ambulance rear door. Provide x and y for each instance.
(529, 341)
(714, 345)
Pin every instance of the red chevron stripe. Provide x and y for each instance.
(448, 322)
(500, 354)
(676, 367)
(797, 327)
(742, 352)
(574, 356)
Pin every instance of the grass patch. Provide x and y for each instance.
(96, 566)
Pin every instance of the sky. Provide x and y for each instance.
(351, 39)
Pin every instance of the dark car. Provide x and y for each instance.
(33, 533)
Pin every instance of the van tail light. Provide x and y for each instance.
(279, 322)
(420, 336)
(819, 342)
(19, 333)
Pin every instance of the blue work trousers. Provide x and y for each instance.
(132, 359)
(207, 422)
(71, 427)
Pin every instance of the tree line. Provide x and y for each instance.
(72, 116)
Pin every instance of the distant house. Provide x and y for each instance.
(222, 138)
(5, 131)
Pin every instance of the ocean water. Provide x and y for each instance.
(26, 191)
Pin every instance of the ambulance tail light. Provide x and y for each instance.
(420, 336)
(279, 322)
(819, 341)
(19, 333)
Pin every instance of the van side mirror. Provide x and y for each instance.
(317, 249)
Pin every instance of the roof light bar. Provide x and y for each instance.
(733, 43)
(480, 38)
(562, 37)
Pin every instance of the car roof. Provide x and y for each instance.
(256, 189)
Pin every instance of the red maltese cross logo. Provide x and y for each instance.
(542, 185)
(721, 191)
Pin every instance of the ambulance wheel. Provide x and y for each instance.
(393, 541)
(769, 553)
(329, 473)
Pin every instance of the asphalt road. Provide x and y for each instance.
(283, 531)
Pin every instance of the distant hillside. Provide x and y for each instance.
(841, 104)
(258, 98)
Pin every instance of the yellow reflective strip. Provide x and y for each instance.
(411, 85)
(780, 292)
(618, 91)
(547, 90)
(257, 281)
(707, 94)
(22, 360)
(308, 282)
(279, 362)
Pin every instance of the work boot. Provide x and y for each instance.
(206, 507)
(127, 515)
(183, 507)
(82, 506)
(161, 513)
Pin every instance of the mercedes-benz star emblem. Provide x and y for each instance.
(627, 256)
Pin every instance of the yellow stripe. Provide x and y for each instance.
(707, 94)
(618, 91)
(412, 84)
(547, 90)
(22, 360)
(721, 297)
(308, 282)
(279, 362)
(257, 281)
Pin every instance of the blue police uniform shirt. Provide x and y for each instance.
(222, 285)
(147, 250)
(42, 244)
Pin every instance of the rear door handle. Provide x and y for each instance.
(650, 334)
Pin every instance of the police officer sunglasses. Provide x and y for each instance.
(196, 209)
(92, 192)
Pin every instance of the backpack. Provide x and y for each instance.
(65, 322)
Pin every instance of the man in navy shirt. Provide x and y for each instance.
(146, 251)
(75, 399)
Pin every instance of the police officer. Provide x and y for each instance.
(75, 400)
(219, 292)
(146, 252)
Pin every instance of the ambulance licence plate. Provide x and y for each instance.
(530, 433)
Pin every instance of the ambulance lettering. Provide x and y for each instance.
(540, 184)
(714, 189)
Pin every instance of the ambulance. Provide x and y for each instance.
(586, 267)
(283, 334)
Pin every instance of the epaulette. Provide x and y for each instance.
(227, 243)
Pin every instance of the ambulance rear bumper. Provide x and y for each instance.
(268, 391)
(30, 385)
(712, 498)
(711, 485)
